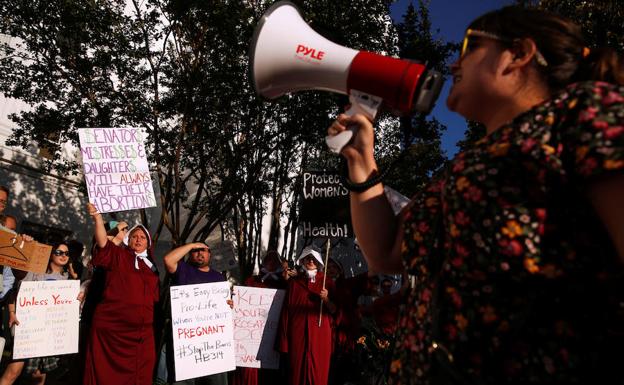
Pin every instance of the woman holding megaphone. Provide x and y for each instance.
(517, 249)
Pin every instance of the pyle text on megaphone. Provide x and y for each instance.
(288, 56)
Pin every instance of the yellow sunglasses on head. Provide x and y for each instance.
(488, 35)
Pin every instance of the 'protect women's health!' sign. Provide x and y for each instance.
(202, 327)
(116, 168)
(48, 313)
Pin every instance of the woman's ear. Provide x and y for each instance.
(523, 52)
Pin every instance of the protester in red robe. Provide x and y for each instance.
(347, 325)
(120, 349)
(272, 275)
(385, 308)
(308, 345)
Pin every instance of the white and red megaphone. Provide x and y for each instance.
(288, 56)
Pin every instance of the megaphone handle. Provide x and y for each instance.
(361, 103)
(337, 142)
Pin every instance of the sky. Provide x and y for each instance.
(450, 17)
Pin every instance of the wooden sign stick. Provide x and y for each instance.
(324, 278)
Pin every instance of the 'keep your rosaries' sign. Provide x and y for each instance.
(325, 206)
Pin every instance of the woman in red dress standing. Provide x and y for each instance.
(120, 349)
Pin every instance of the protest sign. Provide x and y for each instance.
(325, 210)
(202, 330)
(116, 168)
(349, 256)
(19, 254)
(256, 318)
(222, 256)
(48, 312)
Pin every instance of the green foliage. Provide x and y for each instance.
(179, 68)
(418, 134)
(601, 20)
(474, 132)
(373, 352)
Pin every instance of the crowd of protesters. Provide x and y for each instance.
(514, 251)
(331, 326)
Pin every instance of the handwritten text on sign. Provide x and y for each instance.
(116, 168)
(202, 330)
(325, 210)
(48, 316)
(256, 318)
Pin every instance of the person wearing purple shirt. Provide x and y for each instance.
(194, 271)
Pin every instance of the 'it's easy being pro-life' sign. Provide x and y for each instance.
(202, 328)
(116, 168)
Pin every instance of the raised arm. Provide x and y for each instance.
(174, 256)
(100, 231)
(376, 227)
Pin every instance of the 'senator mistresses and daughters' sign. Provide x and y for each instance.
(116, 168)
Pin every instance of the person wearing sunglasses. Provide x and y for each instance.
(39, 366)
(516, 249)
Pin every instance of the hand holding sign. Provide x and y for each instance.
(202, 328)
(22, 252)
(93, 211)
(256, 319)
(49, 314)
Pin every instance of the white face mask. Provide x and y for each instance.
(311, 274)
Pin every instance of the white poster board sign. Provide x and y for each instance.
(48, 312)
(256, 320)
(201, 322)
(116, 169)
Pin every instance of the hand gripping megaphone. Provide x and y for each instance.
(286, 55)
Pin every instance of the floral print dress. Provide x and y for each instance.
(517, 280)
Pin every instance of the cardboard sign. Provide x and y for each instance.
(222, 257)
(325, 210)
(201, 322)
(48, 312)
(116, 168)
(19, 254)
(256, 319)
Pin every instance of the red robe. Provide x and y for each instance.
(252, 376)
(348, 320)
(120, 349)
(309, 346)
(386, 312)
